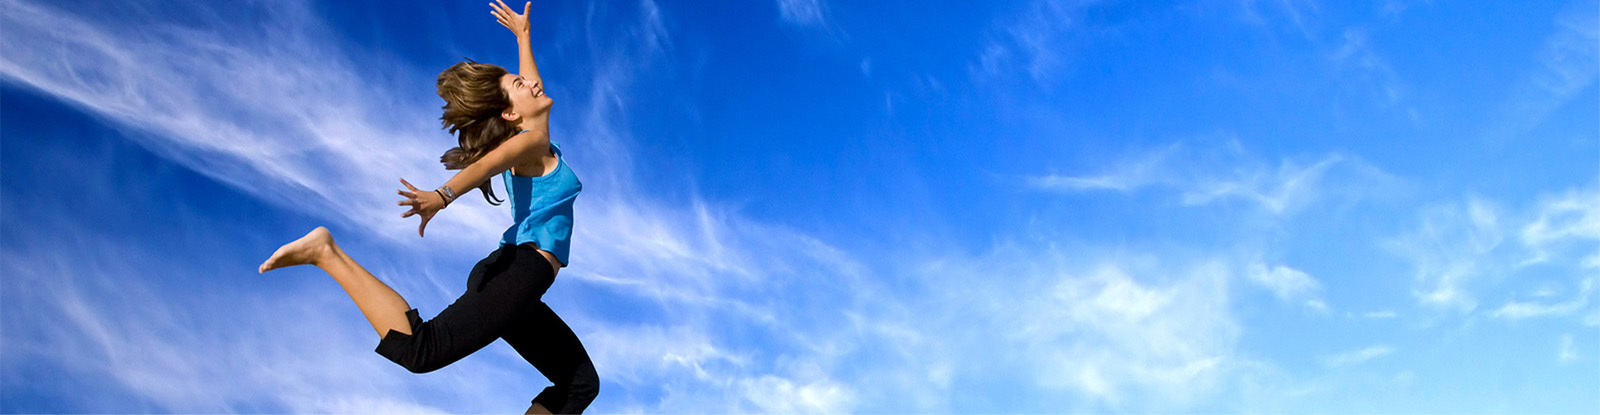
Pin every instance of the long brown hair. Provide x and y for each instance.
(473, 101)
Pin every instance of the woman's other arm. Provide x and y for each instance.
(518, 147)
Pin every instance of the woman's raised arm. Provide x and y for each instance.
(518, 24)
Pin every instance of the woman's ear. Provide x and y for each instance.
(511, 116)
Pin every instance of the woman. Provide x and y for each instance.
(502, 122)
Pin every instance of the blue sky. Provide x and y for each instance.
(812, 206)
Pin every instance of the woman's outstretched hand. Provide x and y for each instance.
(518, 23)
(422, 203)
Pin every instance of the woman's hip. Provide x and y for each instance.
(516, 263)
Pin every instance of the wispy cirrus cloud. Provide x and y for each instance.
(1290, 187)
(1288, 284)
(1152, 168)
(1201, 175)
(1038, 41)
(1380, 315)
(1299, 12)
(274, 112)
(1087, 326)
(803, 12)
(1458, 251)
(1108, 334)
(1564, 67)
(1568, 351)
(1516, 310)
(1368, 67)
(1564, 222)
(175, 348)
(1450, 250)
(1355, 357)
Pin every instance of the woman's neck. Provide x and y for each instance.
(540, 124)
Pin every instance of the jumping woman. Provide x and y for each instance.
(502, 122)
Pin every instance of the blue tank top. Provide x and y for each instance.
(541, 207)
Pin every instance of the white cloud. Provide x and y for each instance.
(1107, 334)
(1288, 284)
(104, 318)
(680, 349)
(1568, 351)
(1202, 175)
(1122, 182)
(1370, 68)
(1567, 220)
(1517, 310)
(1563, 70)
(275, 113)
(1394, 8)
(771, 394)
(1449, 250)
(1292, 11)
(1520, 310)
(1288, 188)
(1380, 315)
(1126, 176)
(1355, 357)
(1101, 325)
(1459, 252)
(1037, 41)
(803, 12)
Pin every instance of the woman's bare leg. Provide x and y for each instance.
(384, 308)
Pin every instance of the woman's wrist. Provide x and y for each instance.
(446, 193)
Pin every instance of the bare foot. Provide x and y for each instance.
(306, 250)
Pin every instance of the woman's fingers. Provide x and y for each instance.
(500, 9)
(408, 184)
(501, 15)
(509, 18)
(424, 225)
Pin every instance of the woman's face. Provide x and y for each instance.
(527, 97)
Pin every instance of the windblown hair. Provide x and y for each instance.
(473, 102)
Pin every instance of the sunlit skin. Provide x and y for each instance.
(525, 154)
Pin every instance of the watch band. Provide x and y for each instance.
(448, 193)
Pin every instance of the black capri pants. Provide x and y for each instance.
(503, 302)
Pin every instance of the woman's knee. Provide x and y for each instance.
(585, 384)
(420, 366)
(416, 360)
(425, 350)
